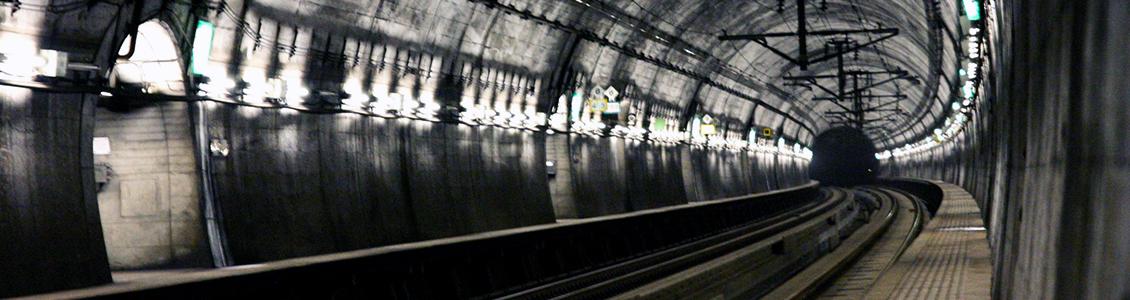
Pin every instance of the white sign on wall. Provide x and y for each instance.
(597, 92)
(101, 145)
(611, 93)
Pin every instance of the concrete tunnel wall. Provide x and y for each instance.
(50, 234)
(1045, 155)
(299, 184)
(49, 226)
(605, 176)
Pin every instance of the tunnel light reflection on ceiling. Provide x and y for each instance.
(961, 108)
(397, 105)
(664, 131)
(289, 90)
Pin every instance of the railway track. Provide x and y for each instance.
(843, 269)
(851, 271)
(612, 280)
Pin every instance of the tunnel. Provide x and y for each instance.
(582, 149)
(843, 156)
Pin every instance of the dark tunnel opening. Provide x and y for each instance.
(843, 156)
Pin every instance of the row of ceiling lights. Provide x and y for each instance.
(276, 91)
(631, 52)
(961, 109)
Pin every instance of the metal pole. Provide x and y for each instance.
(840, 75)
(802, 34)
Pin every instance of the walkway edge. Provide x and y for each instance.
(948, 260)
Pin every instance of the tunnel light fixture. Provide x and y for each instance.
(537, 120)
(971, 70)
(429, 111)
(45, 62)
(392, 103)
(633, 133)
(592, 128)
(219, 85)
(239, 90)
(968, 90)
(475, 115)
(668, 136)
(276, 91)
(884, 154)
(407, 105)
(558, 121)
(52, 63)
(516, 120)
(502, 118)
(297, 93)
(358, 97)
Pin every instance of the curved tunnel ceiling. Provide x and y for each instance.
(915, 49)
(668, 48)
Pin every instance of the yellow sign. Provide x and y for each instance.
(767, 132)
(598, 105)
(708, 129)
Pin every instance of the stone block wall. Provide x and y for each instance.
(150, 207)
